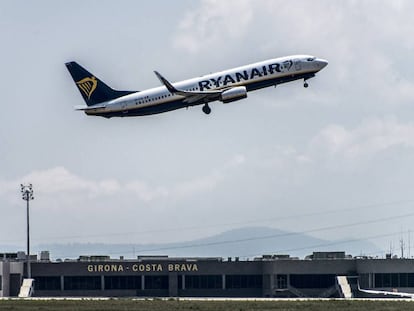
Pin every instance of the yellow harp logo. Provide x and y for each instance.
(87, 86)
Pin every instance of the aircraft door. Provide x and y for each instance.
(298, 65)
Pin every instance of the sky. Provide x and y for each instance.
(338, 154)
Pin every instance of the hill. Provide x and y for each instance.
(243, 242)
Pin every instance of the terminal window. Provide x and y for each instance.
(312, 280)
(156, 282)
(82, 282)
(47, 283)
(203, 281)
(281, 281)
(364, 280)
(244, 281)
(394, 279)
(123, 282)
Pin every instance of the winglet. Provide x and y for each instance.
(167, 84)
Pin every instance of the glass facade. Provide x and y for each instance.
(123, 282)
(281, 281)
(394, 279)
(156, 282)
(203, 281)
(47, 283)
(82, 282)
(244, 281)
(312, 280)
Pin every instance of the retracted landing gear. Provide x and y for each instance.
(206, 109)
(305, 84)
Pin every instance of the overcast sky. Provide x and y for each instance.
(338, 153)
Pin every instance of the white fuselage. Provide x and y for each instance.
(253, 76)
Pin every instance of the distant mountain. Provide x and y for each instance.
(244, 242)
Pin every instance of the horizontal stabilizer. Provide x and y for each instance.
(84, 108)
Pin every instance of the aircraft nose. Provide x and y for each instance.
(321, 63)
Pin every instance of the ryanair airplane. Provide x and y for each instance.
(225, 86)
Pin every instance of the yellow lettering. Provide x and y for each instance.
(180, 267)
(150, 267)
(115, 268)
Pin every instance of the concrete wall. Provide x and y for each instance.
(9, 271)
(1, 280)
(385, 265)
(5, 278)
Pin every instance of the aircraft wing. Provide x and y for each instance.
(382, 292)
(190, 96)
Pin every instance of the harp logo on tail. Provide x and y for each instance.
(88, 85)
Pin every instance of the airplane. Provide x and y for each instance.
(225, 86)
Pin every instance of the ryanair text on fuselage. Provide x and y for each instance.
(245, 75)
(225, 86)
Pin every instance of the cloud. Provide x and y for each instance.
(208, 182)
(60, 182)
(358, 45)
(59, 179)
(145, 192)
(198, 185)
(371, 137)
(336, 147)
(212, 23)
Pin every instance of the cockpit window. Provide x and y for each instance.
(311, 59)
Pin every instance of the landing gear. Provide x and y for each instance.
(206, 109)
(305, 84)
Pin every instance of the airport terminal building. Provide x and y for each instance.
(322, 274)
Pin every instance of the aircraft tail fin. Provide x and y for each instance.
(93, 90)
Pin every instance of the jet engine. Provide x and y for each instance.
(233, 94)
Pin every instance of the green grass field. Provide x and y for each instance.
(171, 305)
